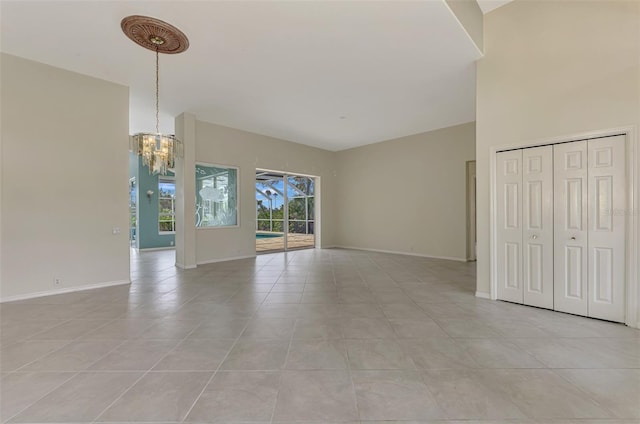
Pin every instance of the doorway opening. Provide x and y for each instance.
(285, 211)
(472, 239)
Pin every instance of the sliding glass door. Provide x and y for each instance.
(285, 211)
(301, 213)
(270, 211)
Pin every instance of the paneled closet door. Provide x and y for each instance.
(509, 226)
(570, 227)
(606, 245)
(537, 211)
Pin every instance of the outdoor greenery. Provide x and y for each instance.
(166, 207)
(299, 206)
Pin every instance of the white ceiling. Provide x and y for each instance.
(488, 5)
(329, 74)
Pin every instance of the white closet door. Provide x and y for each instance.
(570, 227)
(509, 199)
(537, 210)
(606, 246)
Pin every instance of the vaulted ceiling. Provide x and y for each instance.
(333, 75)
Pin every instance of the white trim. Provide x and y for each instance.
(471, 209)
(238, 192)
(64, 290)
(182, 266)
(153, 249)
(317, 218)
(228, 227)
(290, 173)
(632, 313)
(170, 179)
(235, 258)
(317, 209)
(394, 252)
(464, 29)
(632, 318)
(483, 295)
(493, 234)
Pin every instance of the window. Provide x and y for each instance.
(166, 207)
(216, 196)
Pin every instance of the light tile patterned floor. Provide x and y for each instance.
(321, 336)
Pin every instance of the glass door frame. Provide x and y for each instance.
(306, 221)
(285, 213)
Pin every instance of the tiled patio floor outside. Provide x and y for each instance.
(294, 241)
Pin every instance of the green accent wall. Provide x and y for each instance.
(147, 234)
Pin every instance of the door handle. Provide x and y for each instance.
(534, 237)
(573, 238)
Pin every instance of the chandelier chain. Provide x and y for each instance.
(158, 151)
(157, 91)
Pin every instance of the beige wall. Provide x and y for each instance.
(64, 179)
(407, 195)
(550, 69)
(220, 145)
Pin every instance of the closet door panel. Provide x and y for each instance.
(509, 217)
(606, 247)
(570, 227)
(538, 226)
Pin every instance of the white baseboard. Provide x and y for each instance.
(235, 258)
(393, 252)
(63, 291)
(182, 266)
(483, 295)
(154, 249)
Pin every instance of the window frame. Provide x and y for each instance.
(173, 205)
(237, 197)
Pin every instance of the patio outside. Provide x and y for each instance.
(284, 201)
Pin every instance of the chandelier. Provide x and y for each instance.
(158, 151)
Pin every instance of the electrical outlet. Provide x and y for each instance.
(115, 230)
(56, 281)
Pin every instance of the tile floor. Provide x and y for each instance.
(322, 336)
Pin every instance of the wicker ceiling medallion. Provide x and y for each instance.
(154, 34)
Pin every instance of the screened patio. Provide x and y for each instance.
(284, 202)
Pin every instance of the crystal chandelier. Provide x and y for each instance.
(158, 151)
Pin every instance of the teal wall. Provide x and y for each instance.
(133, 173)
(147, 234)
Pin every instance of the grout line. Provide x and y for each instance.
(40, 398)
(588, 395)
(346, 350)
(290, 266)
(204, 388)
(144, 373)
(148, 371)
(74, 372)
